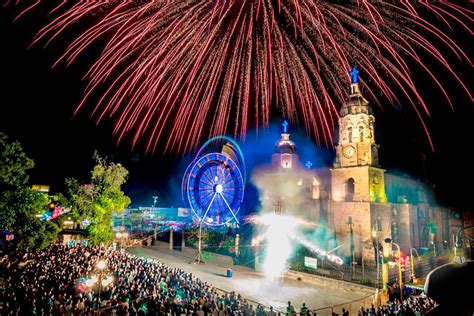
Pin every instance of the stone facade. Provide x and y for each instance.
(360, 202)
(288, 187)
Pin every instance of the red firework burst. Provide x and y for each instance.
(178, 71)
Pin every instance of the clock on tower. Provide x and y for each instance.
(349, 151)
(356, 152)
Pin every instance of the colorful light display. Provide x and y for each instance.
(180, 71)
(214, 183)
(281, 234)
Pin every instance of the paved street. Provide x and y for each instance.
(253, 285)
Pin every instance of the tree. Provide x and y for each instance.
(19, 204)
(98, 200)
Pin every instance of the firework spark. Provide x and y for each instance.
(281, 234)
(179, 71)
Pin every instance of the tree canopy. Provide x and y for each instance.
(98, 200)
(19, 204)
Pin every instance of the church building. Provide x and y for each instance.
(356, 200)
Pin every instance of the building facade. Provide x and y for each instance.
(358, 201)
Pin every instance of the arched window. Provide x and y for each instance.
(349, 132)
(361, 133)
(350, 190)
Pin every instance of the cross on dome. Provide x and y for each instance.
(285, 126)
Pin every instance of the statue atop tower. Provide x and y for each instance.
(356, 176)
(354, 75)
(357, 145)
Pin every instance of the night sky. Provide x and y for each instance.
(38, 104)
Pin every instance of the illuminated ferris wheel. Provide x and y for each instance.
(214, 183)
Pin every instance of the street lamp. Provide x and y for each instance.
(377, 254)
(121, 236)
(351, 232)
(101, 266)
(412, 263)
(458, 245)
(400, 276)
(68, 223)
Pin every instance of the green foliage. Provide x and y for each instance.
(36, 234)
(13, 164)
(19, 204)
(99, 199)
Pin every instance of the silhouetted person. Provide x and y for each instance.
(451, 287)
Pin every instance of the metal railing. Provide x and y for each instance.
(353, 307)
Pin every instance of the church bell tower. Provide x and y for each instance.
(355, 175)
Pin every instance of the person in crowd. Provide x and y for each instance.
(304, 310)
(52, 282)
(290, 310)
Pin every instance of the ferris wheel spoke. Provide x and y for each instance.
(214, 173)
(209, 174)
(228, 191)
(206, 189)
(220, 172)
(225, 174)
(229, 184)
(230, 181)
(229, 195)
(206, 197)
(206, 182)
(230, 209)
(205, 174)
(208, 207)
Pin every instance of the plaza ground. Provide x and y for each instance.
(316, 293)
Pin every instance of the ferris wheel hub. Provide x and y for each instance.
(218, 188)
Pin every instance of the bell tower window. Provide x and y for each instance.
(361, 133)
(286, 161)
(350, 190)
(357, 152)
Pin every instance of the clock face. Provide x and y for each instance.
(349, 151)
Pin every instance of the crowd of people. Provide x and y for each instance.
(54, 281)
(412, 306)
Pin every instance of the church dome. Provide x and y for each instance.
(285, 145)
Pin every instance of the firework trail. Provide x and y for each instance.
(178, 71)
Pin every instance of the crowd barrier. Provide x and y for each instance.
(353, 307)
